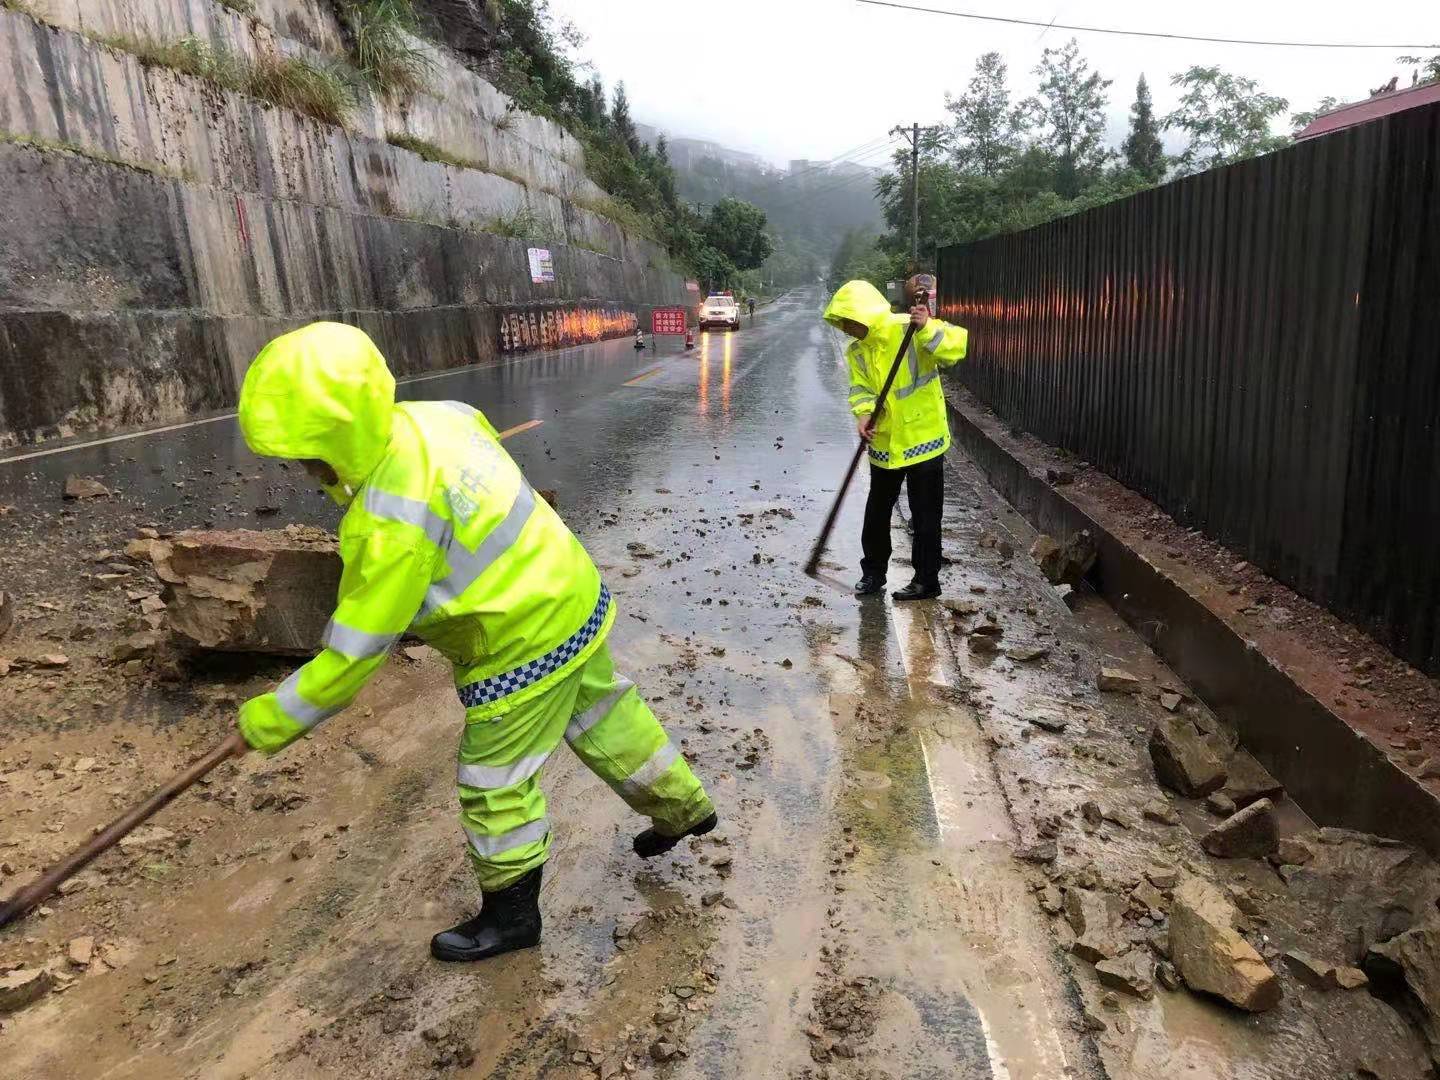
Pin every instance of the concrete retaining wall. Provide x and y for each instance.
(140, 274)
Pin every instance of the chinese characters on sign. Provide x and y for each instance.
(542, 266)
(667, 320)
(556, 326)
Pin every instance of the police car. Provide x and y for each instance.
(720, 309)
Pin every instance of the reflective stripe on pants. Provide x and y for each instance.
(610, 728)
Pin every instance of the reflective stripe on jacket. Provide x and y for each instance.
(442, 536)
(913, 426)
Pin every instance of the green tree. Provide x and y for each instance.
(1301, 120)
(988, 131)
(1070, 111)
(1143, 152)
(1427, 68)
(622, 123)
(736, 229)
(1226, 117)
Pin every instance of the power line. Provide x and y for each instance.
(830, 182)
(1144, 33)
(867, 146)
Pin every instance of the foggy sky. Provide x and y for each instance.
(812, 78)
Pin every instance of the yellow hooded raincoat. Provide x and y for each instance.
(443, 536)
(912, 427)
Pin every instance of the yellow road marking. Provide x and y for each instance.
(642, 375)
(518, 428)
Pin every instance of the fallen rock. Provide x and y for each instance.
(1251, 833)
(20, 987)
(135, 646)
(1133, 973)
(1095, 918)
(1162, 877)
(1414, 959)
(243, 590)
(1311, 971)
(663, 1050)
(81, 950)
(82, 487)
(1292, 852)
(7, 612)
(1350, 978)
(1047, 722)
(1025, 654)
(1210, 954)
(1118, 680)
(1160, 812)
(146, 838)
(1170, 701)
(302, 850)
(1067, 563)
(1247, 781)
(1182, 761)
(1220, 804)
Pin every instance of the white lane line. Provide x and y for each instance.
(451, 373)
(116, 438)
(919, 652)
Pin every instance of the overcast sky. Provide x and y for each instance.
(812, 78)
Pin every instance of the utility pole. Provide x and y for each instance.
(915, 195)
(912, 133)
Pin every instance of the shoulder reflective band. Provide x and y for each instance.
(467, 565)
(409, 511)
(934, 342)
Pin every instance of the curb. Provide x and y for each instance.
(1334, 772)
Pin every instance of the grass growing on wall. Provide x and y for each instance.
(292, 82)
(430, 151)
(240, 7)
(382, 35)
(60, 146)
(522, 225)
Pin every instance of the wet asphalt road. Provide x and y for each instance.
(592, 422)
(668, 447)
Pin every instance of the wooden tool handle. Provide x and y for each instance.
(813, 562)
(30, 895)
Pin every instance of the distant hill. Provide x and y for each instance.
(810, 204)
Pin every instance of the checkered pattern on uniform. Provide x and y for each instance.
(498, 686)
(924, 448)
(879, 455)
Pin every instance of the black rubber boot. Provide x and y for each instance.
(650, 843)
(509, 919)
(869, 586)
(917, 590)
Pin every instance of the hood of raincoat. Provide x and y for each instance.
(860, 301)
(324, 392)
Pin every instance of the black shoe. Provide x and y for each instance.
(650, 843)
(869, 586)
(509, 919)
(917, 591)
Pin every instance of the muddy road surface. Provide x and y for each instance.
(860, 913)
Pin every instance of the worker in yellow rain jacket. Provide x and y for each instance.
(442, 536)
(908, 439)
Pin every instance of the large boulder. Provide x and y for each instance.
(1183, 762)
(1251, 833)
(1211, 955)
(243, 590)
(1095, 918)
(1413, 958)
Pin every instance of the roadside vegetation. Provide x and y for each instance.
(429, 150)
(1001, 165)
(382, 45)
(723, 247)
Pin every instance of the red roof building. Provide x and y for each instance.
(1371, 108)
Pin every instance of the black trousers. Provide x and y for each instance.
(925, 487)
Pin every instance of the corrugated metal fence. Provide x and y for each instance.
(1256, 349)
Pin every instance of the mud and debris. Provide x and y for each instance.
(862, 912)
